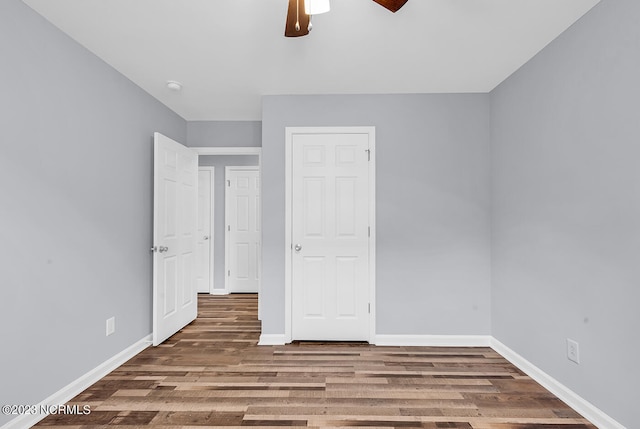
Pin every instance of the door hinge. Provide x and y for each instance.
(369, 231)
(229, 183)
(368, 154)
(228, 227)
(369, 308)
(228, 273)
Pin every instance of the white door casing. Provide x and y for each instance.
(175, 181)
(242, 234)
(204, 272)
(330, 220)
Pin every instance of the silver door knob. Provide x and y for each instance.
(163, 249)
(298, 247)
(206, 237)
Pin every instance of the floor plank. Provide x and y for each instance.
(213, 374)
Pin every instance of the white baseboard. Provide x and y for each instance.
(433, 340)
(219, 292)
(575, 401)
(76, 387)
(272, 340)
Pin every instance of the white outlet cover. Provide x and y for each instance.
(573, 351)
(111, 326)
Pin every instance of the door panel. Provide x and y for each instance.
(242, 212)
(314, 286)
(174, 237)
(314, 207)
(330, 232)
(242, 261)
(346, 207)
(170, 271)
(346, 287)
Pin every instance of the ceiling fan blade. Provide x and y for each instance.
(295, 14)
(392, 5)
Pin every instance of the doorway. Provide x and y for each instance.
(219, 158)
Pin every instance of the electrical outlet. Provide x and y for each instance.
(573, 351)
(111, 326)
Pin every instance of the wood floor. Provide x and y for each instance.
(212, 373)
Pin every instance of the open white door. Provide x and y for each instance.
(175, 199)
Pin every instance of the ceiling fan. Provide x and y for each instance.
(300, 11)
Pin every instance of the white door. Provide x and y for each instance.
(242, 217)
(204, 272)
(175, 195)
(330, 237)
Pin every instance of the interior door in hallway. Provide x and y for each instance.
(204, 272)
(330, 237)
(175, 196)
(242, 217)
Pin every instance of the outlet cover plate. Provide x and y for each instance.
(111, 326)
(573, 351)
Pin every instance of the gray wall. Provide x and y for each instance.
(432, 206)
(220, 162)
(75, 207)
(224, 133)
(566, 208)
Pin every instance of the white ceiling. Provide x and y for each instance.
(229, 53)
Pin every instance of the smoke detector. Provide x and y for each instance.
(174, 85)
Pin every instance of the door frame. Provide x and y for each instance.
(227, 247)
(240, 150)
(212, 235)
(288, 265)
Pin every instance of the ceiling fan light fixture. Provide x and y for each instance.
(316, 7)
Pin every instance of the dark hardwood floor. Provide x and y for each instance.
(212, 373)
